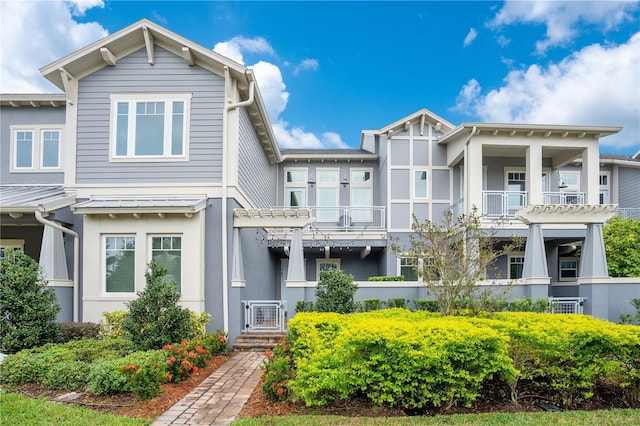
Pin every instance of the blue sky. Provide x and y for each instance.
(328, 70)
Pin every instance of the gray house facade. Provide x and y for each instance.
(161, 149)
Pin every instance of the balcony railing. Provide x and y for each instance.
(349, 218)
(563, 198)
(502, 203)
(626, 213)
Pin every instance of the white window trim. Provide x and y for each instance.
(570, 188)
(399, 267)
(150, 253)
(296, 185)
(413, 183)
(325, 260)
(512, 255)
(12, 243)
(560, 277)
(148, 97)
(333, 185)
(606, 187)
(103, 261)
(508, 170)
(37, 147)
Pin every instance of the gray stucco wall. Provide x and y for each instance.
(133, 74)
(26, 115)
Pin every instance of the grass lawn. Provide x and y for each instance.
(615, 417)
(19, 410)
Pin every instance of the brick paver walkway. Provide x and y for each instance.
(219, 399)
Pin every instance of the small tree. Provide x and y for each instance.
(335, 292)
(155, 319)
(452, 258)
(28, 308)
(622, 245)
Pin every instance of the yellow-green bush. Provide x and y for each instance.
(416, 360)
(395, 358)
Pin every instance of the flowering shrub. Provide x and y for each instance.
(216, 343)
(145, 372)
(277, 370)
(183, 359)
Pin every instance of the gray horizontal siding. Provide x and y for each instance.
(26, 115)
(256, 176)
(133, 74)
(629, 187)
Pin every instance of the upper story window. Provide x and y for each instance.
(604, 188)
(327, 194)
(569, 181)
(420, 184)
(36, 148)
(361, 195)
(150, 126)
(295, 187)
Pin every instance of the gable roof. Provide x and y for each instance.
(144, 33)
(421, 116)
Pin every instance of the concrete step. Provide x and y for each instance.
(257, 341)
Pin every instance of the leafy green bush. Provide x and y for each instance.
(527, 304)
(335, 292)
(387, 278)
(78, 330)
(396, 302)
(428, 305)
(622, 246)
(111, 325)
(184, 359)
(106, 377)
(198, 324)
(70, 375)
(145, 372)
(27, 306)
(215, 344)
(371, 305)
(278, 370)
(155, 319)
(304, 306)
(626, 318)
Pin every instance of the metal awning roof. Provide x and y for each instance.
(139, 205)
(29, 198)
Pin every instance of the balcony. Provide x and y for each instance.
(626, 213)
(504, 204)
(349, 218)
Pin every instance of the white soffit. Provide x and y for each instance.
(567, 213)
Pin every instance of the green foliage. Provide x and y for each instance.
(304, 306)
(215, 344)
(155, 319)
(198, 324)
(70, 375)
(429, 305)
(622, 245)
(371, 305)
(453, 258)
(27, 306)
(78, 330)
(184, 359)
(278, 370)
(106, 377)
(111, 325)
(527, 304)
(396, 302)
(335, 292)
(387, 278)
(145, 371)
(626, 318)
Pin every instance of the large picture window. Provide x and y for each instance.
(150, 126)
(35, 148)
(167, 251)
(119, 255)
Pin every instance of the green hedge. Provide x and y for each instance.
(415, 360)
(387, 278)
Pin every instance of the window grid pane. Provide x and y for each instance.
(50, 149)
(122, 128)
(166, 251)
(24, 149)
(149, 128)
(120, 264)
(420, 184)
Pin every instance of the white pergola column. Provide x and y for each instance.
(295, 273)
(473, 176)
(535, 256)
(534, 174)
(593, 260)
(590, 175)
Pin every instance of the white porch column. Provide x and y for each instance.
(593, 260)
(535, 256)
(473, 176)
(295, 273)
(590, 176)
(237, 271)
(534, 174)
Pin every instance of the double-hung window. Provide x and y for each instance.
(516, 266)
(150, 126)
(167, 251)
(408, 266)
(36, 148)
(119, 263)
(604, 188)
(295, 187)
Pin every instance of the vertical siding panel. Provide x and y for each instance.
(629, 188)
(133, 74)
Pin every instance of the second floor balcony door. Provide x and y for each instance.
(515, 186)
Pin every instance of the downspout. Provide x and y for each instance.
(225, 140)
(76, 256)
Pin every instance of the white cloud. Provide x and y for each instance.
(470, 37)
(306, 64)
(562, 17)
(34, 34)
(233, 48)
(272, 88)
(598, 85)
(298, 138)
